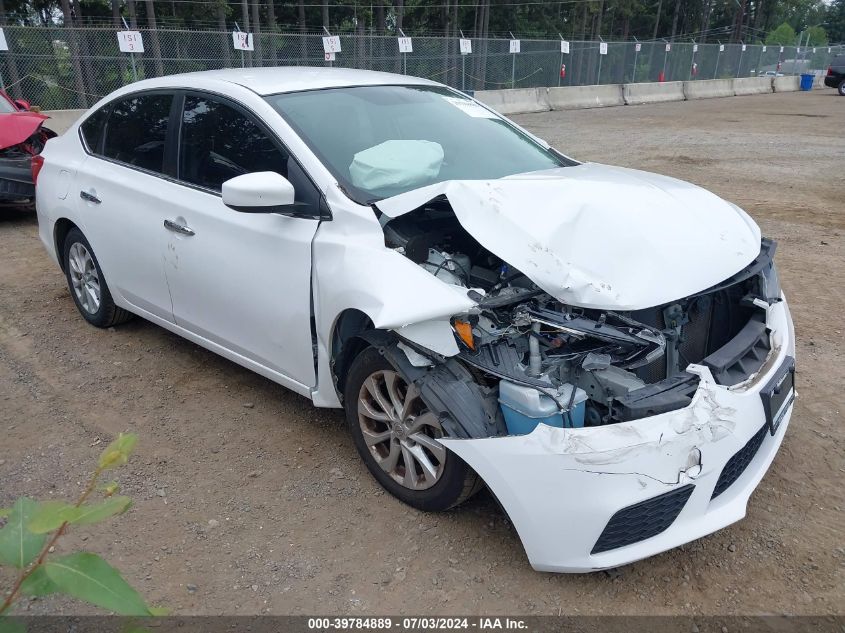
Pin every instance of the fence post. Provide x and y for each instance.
(637, 47)
(718, 56)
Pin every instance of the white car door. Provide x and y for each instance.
(240, 280)
(122, 202)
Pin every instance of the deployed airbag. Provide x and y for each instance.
(396, 164)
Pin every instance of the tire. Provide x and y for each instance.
(841, 88)
(87, 284)
(413, 436)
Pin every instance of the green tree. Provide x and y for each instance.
(783, 35)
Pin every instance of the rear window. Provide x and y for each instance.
(92, 129)
(137, 129)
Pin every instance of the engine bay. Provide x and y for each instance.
(570, 366)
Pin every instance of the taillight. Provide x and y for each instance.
(829, 71)
(37, 164)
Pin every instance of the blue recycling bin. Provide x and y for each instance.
(807, 81)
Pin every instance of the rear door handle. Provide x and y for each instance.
(177, 228)
(89, 197)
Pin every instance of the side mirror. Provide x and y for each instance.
(260, 192)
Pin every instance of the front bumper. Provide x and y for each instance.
(561, 487)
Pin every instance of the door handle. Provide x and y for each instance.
(89, 197)
(177, 228)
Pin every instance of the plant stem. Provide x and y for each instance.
(46, 549)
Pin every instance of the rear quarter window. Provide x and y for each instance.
(92, 129)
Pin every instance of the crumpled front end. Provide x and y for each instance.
(592, 498)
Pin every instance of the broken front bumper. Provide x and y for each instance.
(599, 497)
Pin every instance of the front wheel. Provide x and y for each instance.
(397, 437)
(87, 285)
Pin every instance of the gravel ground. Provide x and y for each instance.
(248, 500)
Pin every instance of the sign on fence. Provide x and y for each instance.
(130, 42)
(695, 48)
(764, 49)
(405, 45)
(721, 48)
(466, 47)
(668, 47)
(603, 48)
(781, 49)
(514, 46)
(743, 48)
(242, 41)
(331, 44)
(564, 46)
(330, 57)
(638, 47)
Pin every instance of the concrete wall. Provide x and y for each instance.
(752, 85)
(514, 100)
(709, 88)
(786, 84)
(636, 94)
(574, 97)
(61, 120)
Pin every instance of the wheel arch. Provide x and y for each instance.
(61, 228)
(346, 342)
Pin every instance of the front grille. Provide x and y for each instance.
(642, 520)
(739, 462)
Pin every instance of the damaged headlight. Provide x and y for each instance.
(770, 283)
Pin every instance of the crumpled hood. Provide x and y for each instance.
(16, 127)
(601, 237)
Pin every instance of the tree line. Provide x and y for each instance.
(700, 20)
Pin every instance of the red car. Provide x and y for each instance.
(22, 137)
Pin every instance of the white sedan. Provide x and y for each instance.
(607, 350)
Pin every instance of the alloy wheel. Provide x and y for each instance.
(399, 430)
(84, 278)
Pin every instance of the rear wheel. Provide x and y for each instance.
(397, 437)
(87, 285)
(841, 88)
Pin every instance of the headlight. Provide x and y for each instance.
(770, 283)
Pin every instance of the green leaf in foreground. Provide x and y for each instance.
(4, 512)
(19, 546)
(49, 516)
(38, 583)
(117, 453)
(52, 514)
(88, 577)
(8, 625)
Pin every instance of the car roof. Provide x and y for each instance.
(278, 79)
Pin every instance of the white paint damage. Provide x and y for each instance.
(597, 236)
(546, 478)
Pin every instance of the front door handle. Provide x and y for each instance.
(177, 228)
(89, 197)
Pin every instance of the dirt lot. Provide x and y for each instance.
(248, 500)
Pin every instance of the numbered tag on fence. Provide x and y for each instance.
(781, 49)
(668, 47)
(814, 50)
(331, 44)
(743, 48)
(695, 48)
(721, 48)
(466, 47)
(564, 47)
(764, 49)
(242, 41)
(638, 47)
(798, 50)
(405, 45)
(514, 46)
(603, 48)
(330, 57)
(130, 42)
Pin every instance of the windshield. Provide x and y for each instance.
(6, 105)
(380, 141)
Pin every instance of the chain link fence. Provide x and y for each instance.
(59, 68)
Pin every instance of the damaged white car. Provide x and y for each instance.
(607, 350)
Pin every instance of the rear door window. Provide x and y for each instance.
(137, 129)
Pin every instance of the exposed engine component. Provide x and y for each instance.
(568, 366)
